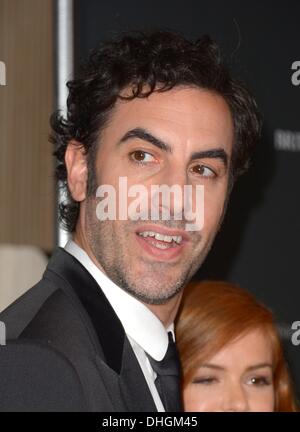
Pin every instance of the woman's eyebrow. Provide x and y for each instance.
(212, 366)
(249, 368)
(259, 366)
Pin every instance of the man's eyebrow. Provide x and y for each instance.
(217, 153)
(144, 135)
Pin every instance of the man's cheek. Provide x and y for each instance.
(214, 203)
(211, 221)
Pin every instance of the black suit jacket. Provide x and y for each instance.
(68, 313)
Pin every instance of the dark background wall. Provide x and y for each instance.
(258, 246)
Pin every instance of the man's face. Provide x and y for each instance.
(179, 137)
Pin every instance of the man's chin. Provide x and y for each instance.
(155, 294)
(153, 299)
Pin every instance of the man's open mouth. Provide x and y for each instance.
(162, 243)
(159, 240)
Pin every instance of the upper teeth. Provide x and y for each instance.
(162, 237)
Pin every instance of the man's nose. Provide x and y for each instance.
(235, 398)
(174, 180)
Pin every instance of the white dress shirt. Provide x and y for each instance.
(144, 330)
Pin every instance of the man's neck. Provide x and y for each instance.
(166, 313)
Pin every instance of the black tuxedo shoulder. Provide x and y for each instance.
(68, 312)
(21, 312)
(62, 323)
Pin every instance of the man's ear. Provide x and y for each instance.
(76, 163)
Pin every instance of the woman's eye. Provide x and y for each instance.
(142, 156)
(203, 171)
(260, 381)
(204, 380)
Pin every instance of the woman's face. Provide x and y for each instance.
(238, 378)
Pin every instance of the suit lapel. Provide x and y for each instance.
(107, 325)
(132, 383)
(118, 353)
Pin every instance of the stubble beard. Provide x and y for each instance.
(113, 257)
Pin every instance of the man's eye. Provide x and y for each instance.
(141, 156)
(203, 171)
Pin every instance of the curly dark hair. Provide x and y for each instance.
(147, 62)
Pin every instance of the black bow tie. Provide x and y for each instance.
(168, 377)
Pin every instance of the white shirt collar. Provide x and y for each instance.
(138, 321)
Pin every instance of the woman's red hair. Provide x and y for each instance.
(213, 314)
